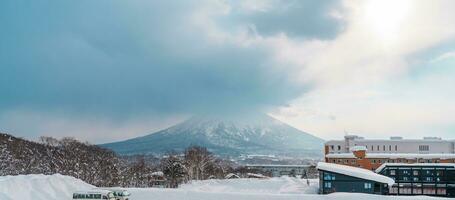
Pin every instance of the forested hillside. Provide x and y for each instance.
(102, 167)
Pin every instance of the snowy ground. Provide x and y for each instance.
(58, 187)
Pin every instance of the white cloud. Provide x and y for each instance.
(360, 78)
(444, 56)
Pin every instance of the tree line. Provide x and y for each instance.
(102, 167)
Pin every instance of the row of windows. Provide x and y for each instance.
(417, 179)
(365, 185)
(372, 147)
(383, 147)
(424, 148)
(418, 190)
(417, 172)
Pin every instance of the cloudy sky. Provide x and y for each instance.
(108, 70)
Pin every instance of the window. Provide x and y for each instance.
(441, 191)
(396, 148)
(327, 184)
(405, 191)
(392, 172)
(415, 172)
(424, 148)
(372, 148)
(339, 147)
(378, 147)
(329, 177)
(417, 188)
(390, 147)
(439, 173)
(383, 147)
(331, 147)
(367, 185)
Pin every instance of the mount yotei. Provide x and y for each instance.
(259, 134)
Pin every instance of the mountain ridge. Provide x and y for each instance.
(226, 136)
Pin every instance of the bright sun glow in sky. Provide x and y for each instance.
(386, 17)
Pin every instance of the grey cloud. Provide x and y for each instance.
(122, 58)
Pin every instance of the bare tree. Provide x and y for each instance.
(198, 160)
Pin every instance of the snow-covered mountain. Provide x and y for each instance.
(259, 134)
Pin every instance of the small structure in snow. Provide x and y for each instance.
(158, 174)
(231, 176)
(157, 179)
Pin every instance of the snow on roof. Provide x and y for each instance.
(354, 172)
(380, 168)
(395, 155)
(253, 175)
(231, 175)
(93, 191)
(159, 173)
(358, 148)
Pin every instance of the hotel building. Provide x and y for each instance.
(370, 154)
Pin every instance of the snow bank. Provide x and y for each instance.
(58, 187)
(177, 194)
(355, 172)
(40, 187)
(282, 185)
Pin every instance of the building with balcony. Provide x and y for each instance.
(432, 179)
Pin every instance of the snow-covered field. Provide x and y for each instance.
(58, 187)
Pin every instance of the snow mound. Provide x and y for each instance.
(40, 187)
(281, 185)
(59, 187)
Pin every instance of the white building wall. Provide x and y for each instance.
(433, 145)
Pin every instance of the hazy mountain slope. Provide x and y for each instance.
(258, 135)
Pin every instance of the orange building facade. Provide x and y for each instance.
(360, 158)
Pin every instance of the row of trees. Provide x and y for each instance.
(102, 167)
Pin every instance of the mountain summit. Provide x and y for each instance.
(260, 134)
